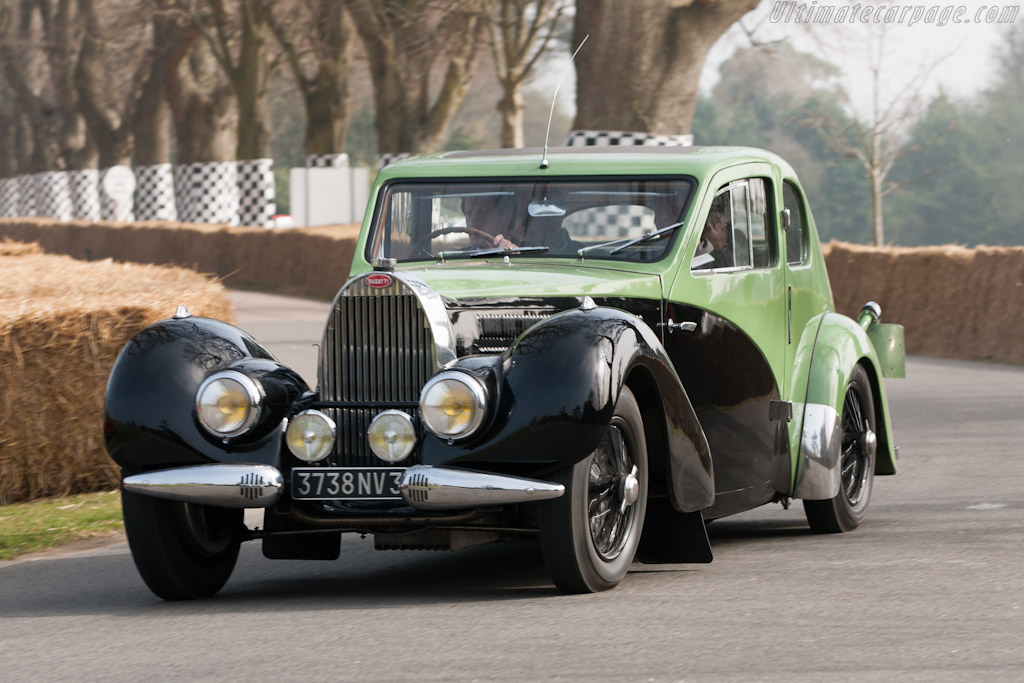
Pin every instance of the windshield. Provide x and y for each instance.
(464, 219)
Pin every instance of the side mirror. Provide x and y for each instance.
(787, 220)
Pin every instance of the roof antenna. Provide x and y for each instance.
(544, 157)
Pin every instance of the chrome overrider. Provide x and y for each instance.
(252, 486)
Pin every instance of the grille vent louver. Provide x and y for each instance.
(497, 331)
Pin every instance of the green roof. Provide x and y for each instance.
(576, 161)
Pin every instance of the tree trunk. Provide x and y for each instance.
(249, 79)
(204, 108)
(325, 92)
(403, 41)
(640, 69)
(511, 109)
(877, 227)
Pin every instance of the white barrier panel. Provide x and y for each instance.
(328, 196)
(53, 195)
(9, 197)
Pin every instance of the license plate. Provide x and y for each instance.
(347, 483)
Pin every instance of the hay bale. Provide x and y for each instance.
(304, 261)
(62, 324)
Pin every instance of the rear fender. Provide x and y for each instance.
(839, 344)
(150, 421)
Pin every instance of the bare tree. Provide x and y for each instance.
(641, 67)
(517, 46)
(236, 38)
(404, 41)
(877, 138)
(316, 38)
(39, 49)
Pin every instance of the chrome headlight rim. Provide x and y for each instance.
(331, 425)
(479, 395)
(254, 393)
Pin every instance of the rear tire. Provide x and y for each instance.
(846, 510)
(590, 534)
(183, 551)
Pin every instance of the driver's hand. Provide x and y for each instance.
(502, 243)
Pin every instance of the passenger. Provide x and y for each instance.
(713, 250)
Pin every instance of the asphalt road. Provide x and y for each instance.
(929, 588)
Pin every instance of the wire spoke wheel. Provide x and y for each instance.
(591, 533)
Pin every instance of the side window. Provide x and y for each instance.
(796, 236)
(736, 233)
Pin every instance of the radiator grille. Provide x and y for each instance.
(378, 349)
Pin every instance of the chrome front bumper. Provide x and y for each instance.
(255, 486)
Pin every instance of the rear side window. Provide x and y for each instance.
(796, 236)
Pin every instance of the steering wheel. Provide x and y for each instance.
(420, 243)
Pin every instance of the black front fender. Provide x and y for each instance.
(150, 420)
(560, 382)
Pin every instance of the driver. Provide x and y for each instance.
(493, 215)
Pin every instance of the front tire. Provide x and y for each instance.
(183, 551)
(846, 510)
(590, 534)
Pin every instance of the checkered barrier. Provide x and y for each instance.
(9, 197)
(585, 138)
(207, 192)
(27, 195)
(154, 193)
(53, 195)
(256, 192)
(327, 161)
(85, 193)
(385, 159)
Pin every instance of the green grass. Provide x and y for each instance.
(53, 522)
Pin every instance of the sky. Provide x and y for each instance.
(958, 57)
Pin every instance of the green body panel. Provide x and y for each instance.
(841, 344)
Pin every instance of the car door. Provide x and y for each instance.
(731, 358)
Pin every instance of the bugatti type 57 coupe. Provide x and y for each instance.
(601, 348)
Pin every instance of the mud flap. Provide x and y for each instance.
(671, 537)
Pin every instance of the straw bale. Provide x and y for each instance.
(311, 262)
(11, 248)
(953, 301)
(62, 324)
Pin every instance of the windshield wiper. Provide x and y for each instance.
(646, 238)
(492, 251)
(629, 241)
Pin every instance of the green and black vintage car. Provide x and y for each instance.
(602, 348)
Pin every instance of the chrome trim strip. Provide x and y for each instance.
(442, 488)
(820, 446)
(223, 485)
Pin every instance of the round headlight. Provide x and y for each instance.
(310, 435)
(228, 403)
(452, 405)
(392, 436)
